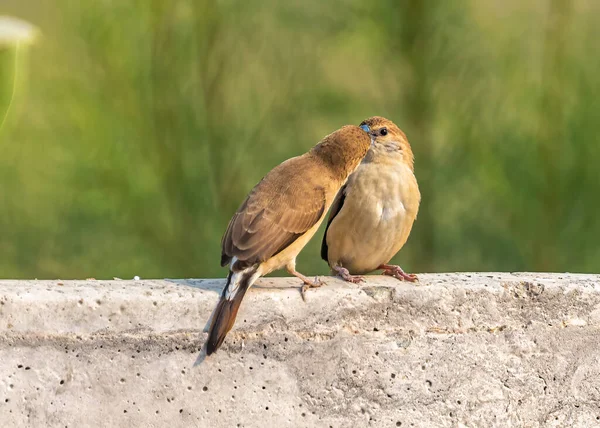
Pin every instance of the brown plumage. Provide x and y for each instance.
(278, 218)
(372, 215)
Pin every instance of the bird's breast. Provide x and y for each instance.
(379, 209)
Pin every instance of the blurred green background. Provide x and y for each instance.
(138, 127)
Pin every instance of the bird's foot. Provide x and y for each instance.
(398, 273)
(309, 284)
(345, 275)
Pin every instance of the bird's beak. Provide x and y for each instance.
(367, 129)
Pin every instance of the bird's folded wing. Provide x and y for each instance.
(336, 206)
(276, 212)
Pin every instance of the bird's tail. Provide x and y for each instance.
(223, 317)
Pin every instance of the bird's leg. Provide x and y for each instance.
(398, 273)
(345, 275)
(307, 282)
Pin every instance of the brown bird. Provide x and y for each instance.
(279, 217)
(373, 213)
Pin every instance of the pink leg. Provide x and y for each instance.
(345, 275)
(307, 282)
(398, 273)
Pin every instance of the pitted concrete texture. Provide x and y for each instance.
(455, 350)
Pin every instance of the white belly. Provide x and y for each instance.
(380, 207)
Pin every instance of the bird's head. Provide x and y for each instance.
(344, 149)
(388, 141)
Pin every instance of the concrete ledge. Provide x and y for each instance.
(456, 350)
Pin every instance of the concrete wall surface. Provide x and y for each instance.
(455, 350)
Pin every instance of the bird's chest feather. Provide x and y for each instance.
(380, 206)
(385, 195)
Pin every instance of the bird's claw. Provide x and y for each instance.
(310, 284)
(398, 273)
(345, 275)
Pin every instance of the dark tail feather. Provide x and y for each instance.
(227, 308)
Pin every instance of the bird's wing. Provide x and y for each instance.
(280, 209)
(338, 202)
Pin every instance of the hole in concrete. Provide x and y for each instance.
(124, 411)
(98, 302)
(353, 372)
(267, 408)
(219, 410)
(155, 303)
(251, 368)
(204, 388)
(428, 382)
(264, 387)
(62, 382)
(157, 412)
(180, 410)
(458, 402)
(303, 414)
(6, 400)
(393, 375)
(285, 340)
(20, 366)
(122, 380)
(189, 388)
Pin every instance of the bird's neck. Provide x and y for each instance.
(340, 162)
(381, 155)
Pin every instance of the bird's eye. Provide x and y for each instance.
(383, 131)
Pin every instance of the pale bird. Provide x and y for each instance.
(373, 213)
(278, 218)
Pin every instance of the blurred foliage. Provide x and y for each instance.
(145, 123)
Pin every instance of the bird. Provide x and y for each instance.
(278, 218)
(373, 213)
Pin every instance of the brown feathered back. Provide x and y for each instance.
(291, 198)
